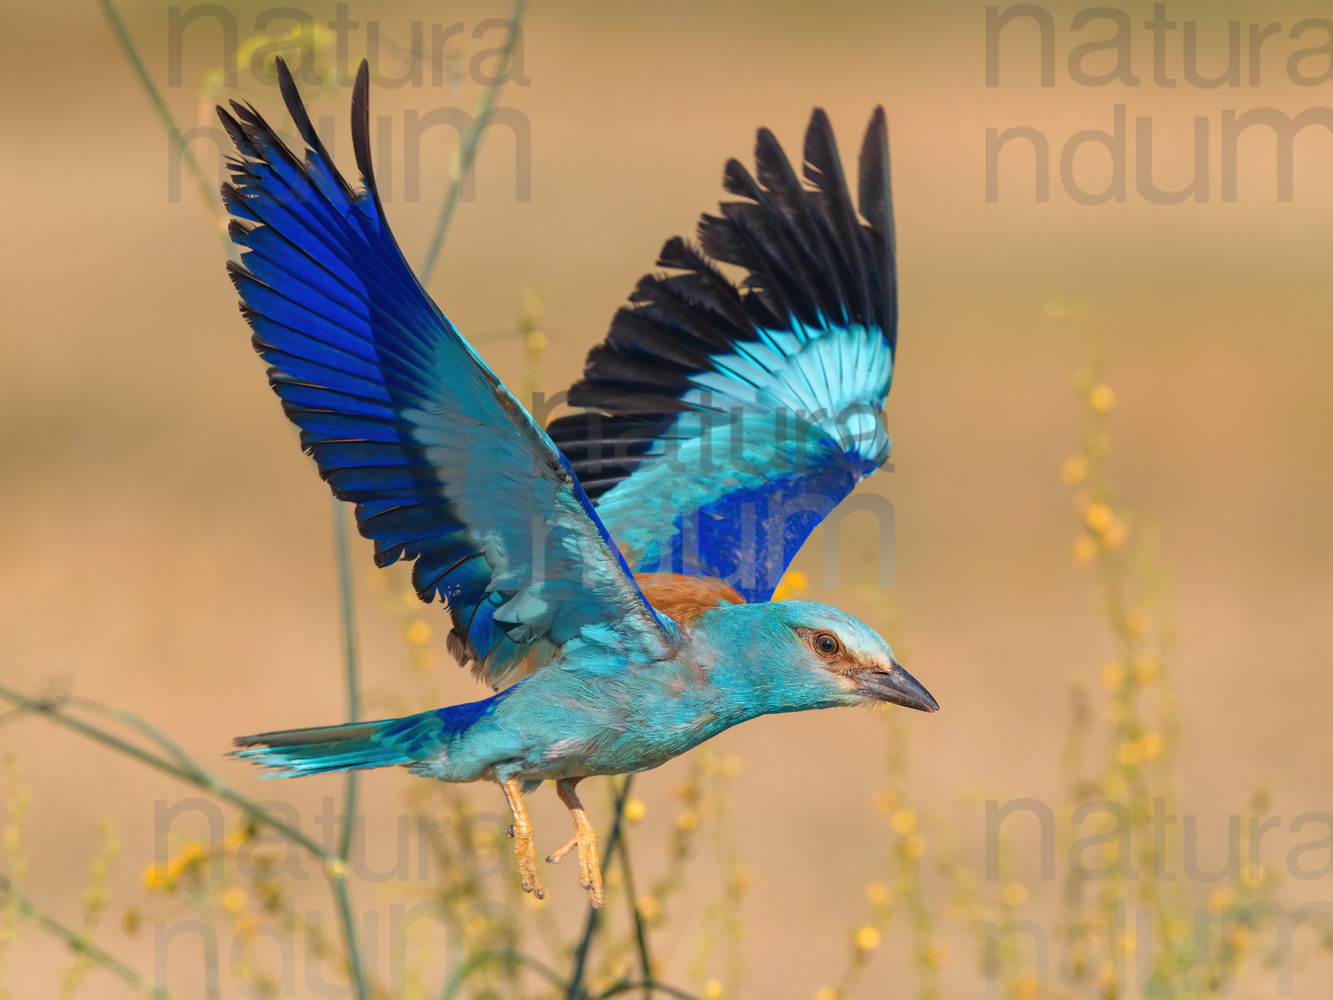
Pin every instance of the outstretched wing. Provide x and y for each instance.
(406, 421)
(723, 423)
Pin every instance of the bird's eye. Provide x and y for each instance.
(827, 644)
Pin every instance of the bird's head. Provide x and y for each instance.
(811, 655)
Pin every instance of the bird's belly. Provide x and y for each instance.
(636, 747)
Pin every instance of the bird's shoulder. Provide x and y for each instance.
(684, 598)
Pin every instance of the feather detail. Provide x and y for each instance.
(685, 598)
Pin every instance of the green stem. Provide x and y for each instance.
(80, 943)
(646, 985)
(350, 663)
(640, 929)
(338, 878)
(465, 971)
(205, 188)
(188, 771)
(468, 146)
(575, 990)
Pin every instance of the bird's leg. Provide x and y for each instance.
(521, 831)
(585, 839)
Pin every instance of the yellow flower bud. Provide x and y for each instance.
(1075, 470)
(1085, 550)
(903, 821)
(1098, 516)
(233, 900)
(868, 938)
(1101, 399)
(635, 810)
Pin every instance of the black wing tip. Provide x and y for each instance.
(361, 127)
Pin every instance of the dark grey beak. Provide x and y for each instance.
(897, 687)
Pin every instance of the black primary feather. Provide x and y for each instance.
(809, 260)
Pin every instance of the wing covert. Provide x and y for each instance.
(722, 423)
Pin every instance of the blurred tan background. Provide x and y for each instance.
(165, 546)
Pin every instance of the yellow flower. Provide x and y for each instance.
(1101, 399)
(826, 993)
(1220, 900)
(1075, 470)
(877, 893)
(712, 989)
(537, 341)
(884, 802)
(1098, 517)
(155, 877)
(687, 820)
(903, 821)
(1085, 550)
(1129, 754)
(1115, 534)
(1115, 787)
(741, 881)
(732, 766)
(914, 846)
(418, 633)
(1015, 895)
(793, 582)
(936, 954)
(1136, 624)
(1147, 670)
(635, 810)
(868, 938)
(233, 900)
(1152, 745)
(648, 906)
(1113, 675)
(1241, 937)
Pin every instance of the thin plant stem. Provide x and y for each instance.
(335, 870)
(574, 991)
(468, 146)
(640, 929)
(646, 985)
(338, 872)
(211, 203)
(135, 722)
(351, 662)
(480, 960)
(189, 771)
(81, 944)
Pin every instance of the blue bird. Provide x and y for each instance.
(609, 577)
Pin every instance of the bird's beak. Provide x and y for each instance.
(895, 686)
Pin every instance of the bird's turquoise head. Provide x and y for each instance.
(791, 656)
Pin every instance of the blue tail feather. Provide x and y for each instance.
(291, 753)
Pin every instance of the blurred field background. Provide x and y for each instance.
(166, 547)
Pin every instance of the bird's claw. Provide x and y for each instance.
(590, 865)
(526, 853)
(585, 839)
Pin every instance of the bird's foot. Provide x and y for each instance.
(585, 839)
(524, 849)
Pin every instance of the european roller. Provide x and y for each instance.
(610, 577)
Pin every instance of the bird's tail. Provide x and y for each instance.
(323, 749)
